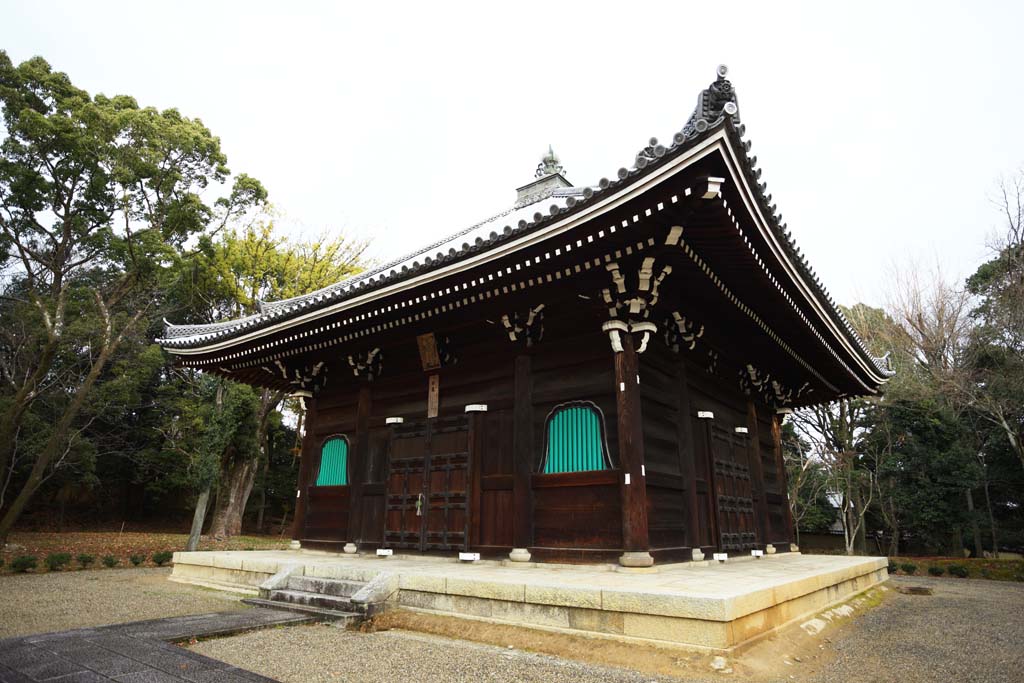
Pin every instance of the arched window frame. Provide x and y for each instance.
(348, 459)
(605, 454)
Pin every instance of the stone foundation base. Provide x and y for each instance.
(715, 607)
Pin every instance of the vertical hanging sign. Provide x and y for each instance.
(433, 395)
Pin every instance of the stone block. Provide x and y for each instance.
(513, 592)
(674, 630)
(564, 595)
(596, 620)
(665, 604)
(431, 601)
(530, 614)
(422, 582)
(474, 607)
(227, 560)
(201, 558)
(264, 566)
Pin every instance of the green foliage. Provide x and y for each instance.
(892, 567)
(110, 561)
(908, 568)
(936, 570)
(957, 570)
(85, 560)
(163, 557)
(136, 559)
(23, 563)
(57, 561)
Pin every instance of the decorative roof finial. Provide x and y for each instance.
(714, 104)
(549, 164)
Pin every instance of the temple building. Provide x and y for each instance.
(598, 372)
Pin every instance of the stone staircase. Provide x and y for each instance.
(323, 599)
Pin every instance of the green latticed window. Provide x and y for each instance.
(575, 440)
(333, 462)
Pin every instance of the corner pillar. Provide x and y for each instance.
(632, 486)
(305, 464)
(522, 455)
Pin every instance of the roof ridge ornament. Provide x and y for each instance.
(549, 164)
(714, 103)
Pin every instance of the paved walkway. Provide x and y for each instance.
(137, 652)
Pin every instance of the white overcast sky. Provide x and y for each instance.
(881, 128)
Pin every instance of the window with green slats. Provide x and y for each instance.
(333, 462)
(575, 440)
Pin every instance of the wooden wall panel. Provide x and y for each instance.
(578, 510)
(327, 511)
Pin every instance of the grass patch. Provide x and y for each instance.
(125, 547)
(982, 568)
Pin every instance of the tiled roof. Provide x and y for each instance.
(716, 108)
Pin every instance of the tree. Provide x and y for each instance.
(834, 432)
(995, 387)
(229, 278)
(807, 479)
(97, 195)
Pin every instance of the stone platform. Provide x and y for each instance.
(705, 605)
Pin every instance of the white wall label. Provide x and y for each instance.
(721, 557)
(469, 557)
(627, 478)
(385, 552)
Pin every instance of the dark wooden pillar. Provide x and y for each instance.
(757, 473)
(687, 456)
(780, 465)
(631, 457)
(307, 461)
(358, 466)
(523, 459)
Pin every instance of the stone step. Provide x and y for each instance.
(309, 584)
(293, 597)
(318, 613)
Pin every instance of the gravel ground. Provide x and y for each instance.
(39, 603)
(968, 631)
(319, 654)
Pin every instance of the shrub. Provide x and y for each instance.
(136, 559)
(23, 563)
(109, 561)
(957, 570)
(908, 567)
(163, 557)
(57, 561)
(1, 563)
(85, 559)
(892, 567)
(936, 570)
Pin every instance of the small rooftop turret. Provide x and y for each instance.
(549, 176)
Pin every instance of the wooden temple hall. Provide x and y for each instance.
(598, 372)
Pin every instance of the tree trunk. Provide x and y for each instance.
(239, 480)
(991, 520)
(234, 493)
(975, 529)
(197, 519)
(265, 471)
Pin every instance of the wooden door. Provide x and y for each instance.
(734, 504)
(428, 485)
(446, 514)
(407, 463)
